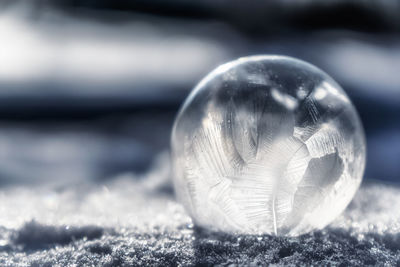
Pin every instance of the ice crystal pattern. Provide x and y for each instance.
(267, 145)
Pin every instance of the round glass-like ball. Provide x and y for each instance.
(267, 145)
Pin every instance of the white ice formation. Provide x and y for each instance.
(267, 145)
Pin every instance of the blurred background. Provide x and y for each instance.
(89, 89)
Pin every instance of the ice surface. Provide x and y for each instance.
(267, 144)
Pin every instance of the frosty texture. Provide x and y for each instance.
(267, 144)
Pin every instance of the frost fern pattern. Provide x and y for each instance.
(269, 145)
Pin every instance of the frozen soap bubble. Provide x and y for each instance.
(267, 145)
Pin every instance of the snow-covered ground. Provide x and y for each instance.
(135, 220)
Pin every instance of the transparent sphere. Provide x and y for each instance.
(267, 145)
